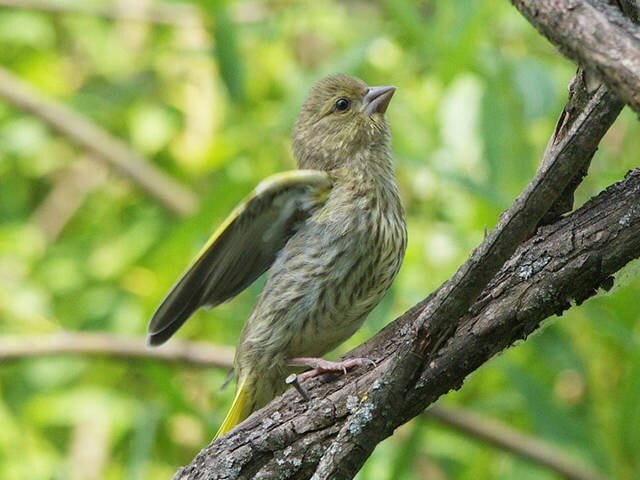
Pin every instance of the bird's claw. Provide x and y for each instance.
(320, 365)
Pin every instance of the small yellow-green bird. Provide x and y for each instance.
(331, 234)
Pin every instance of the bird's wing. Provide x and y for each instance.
(242, 248)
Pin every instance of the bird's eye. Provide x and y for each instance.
(342, 105)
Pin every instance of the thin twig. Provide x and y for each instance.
(99, 142)
(506, 438)
(197, 354)
(66, 196)
(173, 14)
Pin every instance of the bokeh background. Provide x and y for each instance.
(207, 92)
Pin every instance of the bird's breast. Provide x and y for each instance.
(365, 240)
(330, 275)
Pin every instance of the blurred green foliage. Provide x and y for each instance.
(211, 103)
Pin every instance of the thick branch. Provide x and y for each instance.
(566, 261)
(579, 131)
(100, 143)
(563, 166)
(596, 36)
(569, 152)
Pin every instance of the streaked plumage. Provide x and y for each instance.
(242, 248)
(333, 235)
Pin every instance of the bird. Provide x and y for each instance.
(331, 236)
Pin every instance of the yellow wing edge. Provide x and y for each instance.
(318, 180)
(275, 182)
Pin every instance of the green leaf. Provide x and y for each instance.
(227, 54)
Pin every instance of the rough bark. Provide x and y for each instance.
(562, 168)
(563, 165)
(207, 355)
(596, 36)
(563, 263)
(583, 93)
(430, 350)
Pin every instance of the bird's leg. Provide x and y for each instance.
(320, 365)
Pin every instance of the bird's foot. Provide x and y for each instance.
(320, 365)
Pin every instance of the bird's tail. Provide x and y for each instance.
(240, 408)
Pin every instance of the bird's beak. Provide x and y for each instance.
(377, 99)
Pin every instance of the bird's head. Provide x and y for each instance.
(340, 118)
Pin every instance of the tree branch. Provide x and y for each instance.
(506, 438)
(561, 170)
(207, 355)
(198, 354)
(583, 100)
(596, 36)
(178, 15)
(423, 333)
(564, 262)
(100, 143)
(66, 196)
(570, 151)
